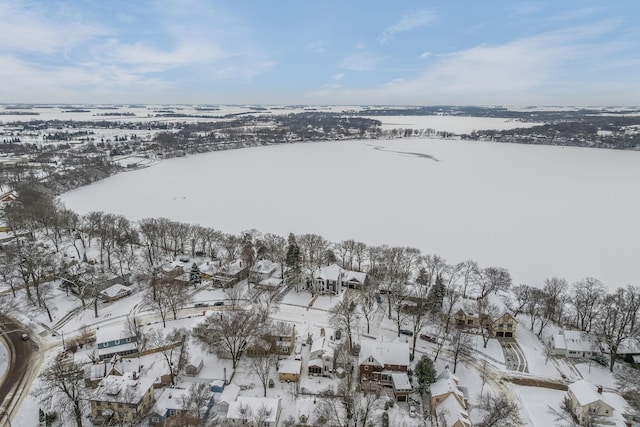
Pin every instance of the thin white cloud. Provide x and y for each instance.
(361, 61)
(424, 55)
(315, 47)
(539, 70)
(407, 23)
(338, 76)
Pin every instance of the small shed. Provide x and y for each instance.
(192, 369)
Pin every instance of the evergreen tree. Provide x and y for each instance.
(293, 261)
(195, 276)
(436, 296)
(425, 373)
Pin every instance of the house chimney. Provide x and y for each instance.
(599, 389)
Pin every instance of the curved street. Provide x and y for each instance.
(23, 360)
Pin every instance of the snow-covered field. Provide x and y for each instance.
(457, 124)
(540, 211)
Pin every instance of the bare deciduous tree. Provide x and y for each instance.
(62, 389)
(498, 411)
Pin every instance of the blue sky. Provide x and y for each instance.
(554, 52)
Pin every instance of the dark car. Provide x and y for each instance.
(218, 303)
(427, 338)
(24, 337)
(201, 304)
(406, 332)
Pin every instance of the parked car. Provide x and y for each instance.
(427, 338)
(24, 337)
(406, 332)
(218, 303)
(379, 299)
(271, 383)
(201, 304)
(412, 411)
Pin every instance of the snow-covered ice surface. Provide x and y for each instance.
(539, 211)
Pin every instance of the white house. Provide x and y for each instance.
(587, 399)
(329, 279)
(574, 344)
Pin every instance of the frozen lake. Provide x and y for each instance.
(539, 211)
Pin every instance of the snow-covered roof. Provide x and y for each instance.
(114, 290)
(447, 374)
(105, 334)
(118, 348)
(401, 381)
(558, 342)
(306, 407)
(354, 276)
(321, 346)
(636, 358)
(170, 398)
(290, 367)
(385, 353)
(264, 266)
(578, 341)
(445, 386)
(254, 404)
(450, 411)
(229, 394)
(128, 388)
(585, 392)
(330, 272)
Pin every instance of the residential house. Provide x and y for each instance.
(229, 274)
(587, 401)
(282, 336)
(307, 413)
(465, 314)
(574, 344)
(251, 410)
(354, 279)
(451, 413)
(262, 270)
(121, 399)
(322, 354)
(329, 279)
(290, 370)
(228, 396)
(378, 360)
(446, 386)
(95, 372)
(503, 326)
(115, 340)
(115, 292)
(168, 404)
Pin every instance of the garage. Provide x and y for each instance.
(500, 334)
(508, 334)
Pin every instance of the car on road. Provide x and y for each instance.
(412, 411)
(406, 332)
(24, 337)
(427, 338)
(218, 303)
(201, 304)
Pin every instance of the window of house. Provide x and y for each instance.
(129, 339)
(366, 367)
(501, 325)
(469, 322)
(117, 342)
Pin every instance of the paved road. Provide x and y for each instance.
(23, 358)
